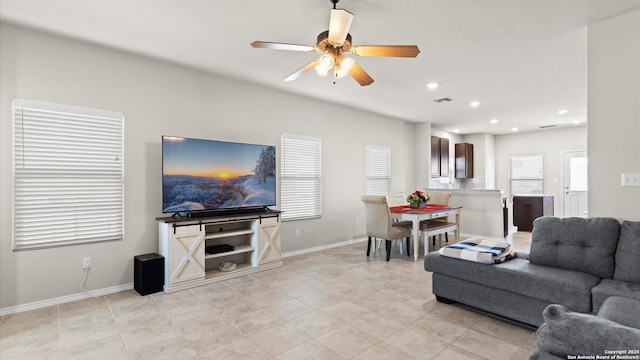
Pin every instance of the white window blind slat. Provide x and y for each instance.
(300, 177)
(68, 175)
(378, 170)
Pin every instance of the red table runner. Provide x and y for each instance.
(407, 208)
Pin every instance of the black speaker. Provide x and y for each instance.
(148, 273)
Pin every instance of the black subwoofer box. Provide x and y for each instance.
(148, 273)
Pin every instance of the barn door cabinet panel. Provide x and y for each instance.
(464, 160)
(439, 157)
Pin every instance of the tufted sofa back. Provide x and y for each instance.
(585, 245)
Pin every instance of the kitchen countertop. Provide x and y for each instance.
(482, 212)
(490, 191)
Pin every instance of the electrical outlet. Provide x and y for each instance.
(86, 263)
(297, 232)
(358, 222)
(630, 179)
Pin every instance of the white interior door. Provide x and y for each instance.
(575, 184)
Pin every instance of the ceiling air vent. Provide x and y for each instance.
(547, 126)
(444, 99)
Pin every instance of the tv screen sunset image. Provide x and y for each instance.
(212, 175)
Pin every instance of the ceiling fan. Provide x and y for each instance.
(335, 43)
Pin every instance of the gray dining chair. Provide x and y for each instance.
(380, 224)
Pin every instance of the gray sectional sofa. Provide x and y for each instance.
(575, 262)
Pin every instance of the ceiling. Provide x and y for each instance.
(523, 60)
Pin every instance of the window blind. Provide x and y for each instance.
(68, 172)
(378, 170)
(300, 177)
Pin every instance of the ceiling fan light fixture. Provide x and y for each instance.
(334, 43)
(339, 25)
(325, 63)
(343, 65)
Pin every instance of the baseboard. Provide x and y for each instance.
(64, 299)
(322, 247)
(354, 241)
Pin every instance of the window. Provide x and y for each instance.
(300, 188)
(68, 178)
(378, 170)
(526, 174)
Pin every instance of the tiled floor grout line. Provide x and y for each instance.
(115, 323)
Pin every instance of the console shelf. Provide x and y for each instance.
(182, 242)
(239, 270)
(239, 249)
(228, 233)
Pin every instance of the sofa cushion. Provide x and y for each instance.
(628, 253)
(585, 245)
(545, 283)
(622, 310)
(567, 333)
(608, 288)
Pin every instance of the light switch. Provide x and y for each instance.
(631, 179)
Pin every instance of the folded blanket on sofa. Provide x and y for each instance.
(480, 250)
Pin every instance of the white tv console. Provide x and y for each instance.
(183, 243)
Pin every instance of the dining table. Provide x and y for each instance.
(431, 211)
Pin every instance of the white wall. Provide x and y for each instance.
(483, 150)
(550, 143)
(614, 115)
(159, 98)
(422, 172)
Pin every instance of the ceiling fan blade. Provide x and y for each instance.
(360, 75)
(302, 70)
(282, 46)
(386, 50)
(339, 25)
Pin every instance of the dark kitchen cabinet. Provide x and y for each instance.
(439, 156)
(464, 161)
(527, 208)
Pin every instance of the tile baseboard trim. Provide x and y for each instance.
(323, 247)
(64, 299)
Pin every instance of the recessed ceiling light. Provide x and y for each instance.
(577, 122)
(514, 129)
(474, 103)
(563, 111)
(494, 121)
(433, 85)
(456, 131)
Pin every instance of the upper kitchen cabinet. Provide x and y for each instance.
(464, 160)
(439, 156)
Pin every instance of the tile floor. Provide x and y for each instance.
(332, 304)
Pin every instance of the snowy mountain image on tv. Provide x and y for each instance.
(213, 175)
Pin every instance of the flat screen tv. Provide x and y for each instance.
(208, 175)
